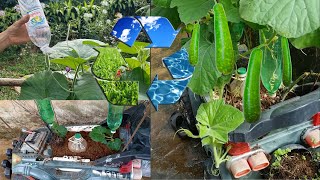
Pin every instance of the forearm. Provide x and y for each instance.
(4, 41)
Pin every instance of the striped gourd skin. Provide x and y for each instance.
(224, 55)
(251, 97)
(194, 45)
(287, 65)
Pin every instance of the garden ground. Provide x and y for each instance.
(172, 158)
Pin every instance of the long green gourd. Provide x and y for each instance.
(224, 55)
(194, 45)
(286, 66)
(251, 97)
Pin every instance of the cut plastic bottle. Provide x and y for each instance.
(38, 27)
(77, 144)
(115, 115)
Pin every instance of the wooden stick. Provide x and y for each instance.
(11, 82)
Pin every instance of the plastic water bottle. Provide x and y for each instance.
(77, 144)
(38, 27)
(114, 119)
(237, 85)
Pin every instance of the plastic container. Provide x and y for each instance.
(115, 115)
(77, 144)
(240, 168)
(258, 161)
(237, 85)
(38, 27)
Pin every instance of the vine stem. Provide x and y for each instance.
(260, 46)
(302, 76)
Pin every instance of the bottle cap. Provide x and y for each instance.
(242, 71)
(77, 136)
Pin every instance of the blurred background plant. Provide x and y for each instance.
(87, 19)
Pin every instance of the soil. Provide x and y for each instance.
(266, 100)
(94, 151)
(295, 166)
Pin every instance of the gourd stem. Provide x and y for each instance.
(221, 92)
(260, 46)
(304, 75)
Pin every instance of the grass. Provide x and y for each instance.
(18, 61)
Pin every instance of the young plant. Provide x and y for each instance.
(104, 136)
(215, 120)
(59, 130)
(278, 154)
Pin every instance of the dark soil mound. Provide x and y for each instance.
(94, 151)
(295, 166)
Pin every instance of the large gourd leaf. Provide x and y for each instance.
(76, 49)
(231, 11)
(170, 13)
(289, 18)
(87, 88)
(216, 120)
(271, 67)
(69, 61)
(43, 85)
(192, 10)
(205, 75)
(309, 40)
(162, 3)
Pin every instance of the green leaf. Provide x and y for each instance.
(93, 43)
(45, 84)
(205, 75)
(98, 134)
(216, 120)
(107, 63)
(75, 49)
(170, 13)
(192, 10)
(271, 67)
(133, 62)
(162, 3)
(115, 144)
(289, 18)
(61, 131)
(137, 46)
(87, 88)
(69, 61)
(309, 40)
(231, 11)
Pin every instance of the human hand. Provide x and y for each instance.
(17, 33)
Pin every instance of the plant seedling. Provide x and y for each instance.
(215, 121)
(60, 130)
(104, 136)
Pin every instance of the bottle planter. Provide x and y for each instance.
(47, 166)
(288, 122)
